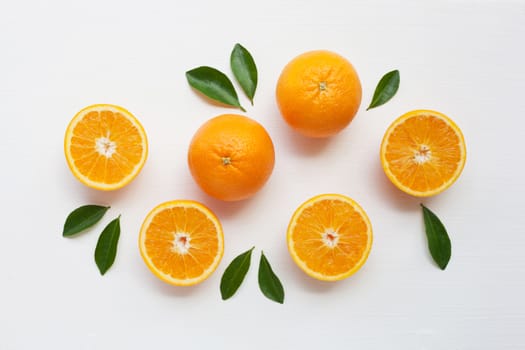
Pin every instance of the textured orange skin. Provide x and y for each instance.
(231, 157)
(318, 93)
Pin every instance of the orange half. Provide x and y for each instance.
(329, 237)
(105, 146)
(181, 242)
(423, 153)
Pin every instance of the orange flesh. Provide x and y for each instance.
(423, 153)
(181, 226)
(128, 148)
(341, 226)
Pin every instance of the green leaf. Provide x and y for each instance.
(234, 274)
(269, 283)
(244, 70)
(385, 89)
(106, 249)
(214, 84)
(438, 240)
(83, 218)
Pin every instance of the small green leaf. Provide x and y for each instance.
(244, 70)
(83, 218)
(386, 89)
(106, 249)
(269, 283)
(234, 274)
(438, 240)
(214, 84)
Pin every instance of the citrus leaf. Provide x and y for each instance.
(385, 89)
(269, 283)
(82, 218)
(234, 274)
(106, 249)
(244, 70)
(214, 84)
(438, 240)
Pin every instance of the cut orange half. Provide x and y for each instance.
(181, 242)
(329, 237)
(105, 146)
(423, 152)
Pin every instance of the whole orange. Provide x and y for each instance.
(318, 93)
(231, 157)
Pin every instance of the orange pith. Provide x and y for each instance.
(423, 152)
(329, 237)
(318, 93)
(105, 146)
(181, 242)
(231, 157)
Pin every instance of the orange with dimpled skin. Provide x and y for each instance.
(318, 93)
(231, 157)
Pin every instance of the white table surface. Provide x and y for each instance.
(464, 58)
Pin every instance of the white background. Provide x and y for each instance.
(463, 58)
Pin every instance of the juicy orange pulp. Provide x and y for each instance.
(329, 237)
(105, 146)
(181, 242)
(423, 152)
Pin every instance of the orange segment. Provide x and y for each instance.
(329, 237)
(423, 152)
(105, 146)
(181, 242)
